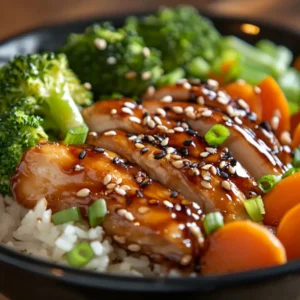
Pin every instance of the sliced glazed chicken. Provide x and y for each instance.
(142, 214)
(211, 180)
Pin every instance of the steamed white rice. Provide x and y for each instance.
(31, 232)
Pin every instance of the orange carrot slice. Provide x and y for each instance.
(296, 137)
(288, 232)
(246, 92)
(241, 246)
(282, 197)
(274, 102)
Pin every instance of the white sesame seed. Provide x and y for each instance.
(206, 113)
(222, 164)
(146, 51)
(196, 232)
(121, 212)
(213, 170)
(164, 142)
(225, 118)
(285, 138)
(87, 85)
(127, 110)
(204, 154)
(179, 129)
(135, 120)
(206, 167)
(151, 138)
(196, 217)
(100, 44)
(257, 90)
(119, 180)
(205, 91)
(134, 247)
(143, 209)
(238, 120)
(230, 110)
(184, 125)
(113, 111)
(177, 109)
(274, 122)
(162, 128)
(231, 169)
(187, 86)
(130, 75)
(211, 150)
(226, 185)
(129, 216)
(200, 100)
(83, 192)
(92, 133)
(178, 207)
(151, 123)
(111, 186)
(157, 120)
(213, 83)
(243, 104)
(120, 191)
(150, 90)
(170, 131)
(146, 120)
(78, 168)
(119, 239)
(130, 105)
(191, 115)
(186, 260)
(111, 60)
(146, 75)
(189, 109)
(195, 171)
(112, 132)
(206, 184)
(166, 99)
(168, 204)
(223, 100)
(139, 146)
(132, 138)
(107, 179)
(178, 164)
(126, 187)
(170, 150)
(175, 156)
(161, 111)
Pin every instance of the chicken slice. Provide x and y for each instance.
(142, 214)
(205, 180)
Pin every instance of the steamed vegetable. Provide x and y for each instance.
(18, 132)
(241, 246)
(113, 60)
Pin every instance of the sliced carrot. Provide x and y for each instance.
(274, 102)
(288, 232)
(241, 246)
(246, 92)
(296, 64)
(295, 121)
(296, 137)
(282, 197)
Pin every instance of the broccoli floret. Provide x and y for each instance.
(113, 60)
(53, 89)
(180, 33)
(18, 132)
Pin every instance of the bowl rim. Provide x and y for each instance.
(64, 273)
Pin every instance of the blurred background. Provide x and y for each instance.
(20, 15)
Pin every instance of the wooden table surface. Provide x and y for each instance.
(20, 15)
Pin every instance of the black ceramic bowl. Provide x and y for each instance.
(22, 277)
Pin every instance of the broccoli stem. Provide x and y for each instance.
(171, 77)
(198, 67)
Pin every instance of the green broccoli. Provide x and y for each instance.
(53, 90)
(113, 60)
(180, 33)
(18, 132)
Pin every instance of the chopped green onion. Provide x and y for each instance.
(296, 158)
(216, 135)
(77, 135)
(212, 222)
(290, 172)
(97, 212)
(255, 208)
(67, 215)
(80, 255)
(267, 182)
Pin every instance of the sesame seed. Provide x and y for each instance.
(113, 111)
(146, 75)
(187, 86)
(206, 184)
(139, 193)
(146, 119)
(165, 142)
(144, 150)
(200, 100)
(186, 259)
(225, 118)
(143, 209)
(107, 179)
(206, 167)
(135, 120)
(87, 85)
(119, 181)
(160, 155)
(146, 182)
(139, 146)
(243, 104)
(257, 90)
(121, 212)
(213, 170)
(161, 111)
(226, 185)
(150, 138)
(168, 204)
(130, 75)
(230, 110)
(127, 110)
(274, 122)
(177, 109)
(211, 150)
(166, 99)
(83, 192)
(132, 138)
(204, 154)
(129, 216)
(222, 164)
(120, 191)
(99, 150)
(111, 132)
(82, 154)
(111, 186)
(150, 90)
(196, 232)
(92, 133)
(151, 123)
(238, 120)
(119, 239)
(175, 156)
(171, 150)
(126, 187)
(178, 207)
(134, 247)
(100, 44)
(129, 105)
(111, 60)
(78, 168)
(285, 138)
(189, 109)
(174, 194)
(157, 120)
(170, 131)
(213, 83)
(195, 172)
(162, 128)
(153, 201)
(196, 217)
(206, 113)
(224, 175)
(179, 129)
(223, 100)
(191, 115)
(231, 169)
(178, 164)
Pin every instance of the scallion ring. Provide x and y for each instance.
(296, 158)
(255, 208)
(290, 172)
(212, 222)
(267, 182)
(217, 135)
(80, 255)
(76, 135)
(67, 215)
(97, 212)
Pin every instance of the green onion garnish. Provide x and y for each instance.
(255, 208)
(290, 172)
(212, 221)
(80, 255)
(216, 135)
(267, 182)
(77, 135)
(97, 212)
(296, 158)
(67, 215)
